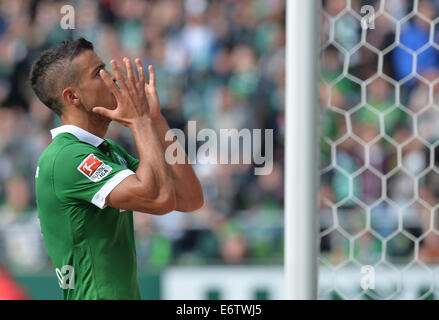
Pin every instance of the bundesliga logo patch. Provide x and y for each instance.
(93, 168)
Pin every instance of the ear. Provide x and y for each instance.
(70, 97)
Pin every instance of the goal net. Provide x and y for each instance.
(379, 149)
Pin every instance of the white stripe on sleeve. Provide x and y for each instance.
(100, 196)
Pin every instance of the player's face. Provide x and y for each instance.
(93, 91)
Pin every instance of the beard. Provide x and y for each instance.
(102, 119)
(96, 117)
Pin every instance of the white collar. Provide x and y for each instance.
(79, 133)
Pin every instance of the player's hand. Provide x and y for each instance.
(132, 103)
(151, 95)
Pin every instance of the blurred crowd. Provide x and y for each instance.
(380, 132)
(220, 63)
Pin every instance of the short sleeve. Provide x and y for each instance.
(82, 172)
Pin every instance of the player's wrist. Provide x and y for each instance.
(140, 122)
(157, 119)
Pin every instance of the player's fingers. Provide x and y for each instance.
(130, 73)
(118, 74)
(151, 75)
(141, 72)
(103, 112)
(109, 83)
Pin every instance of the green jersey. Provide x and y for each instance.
(92, 246)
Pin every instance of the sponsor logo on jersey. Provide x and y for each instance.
(93, 168)
(122, 161)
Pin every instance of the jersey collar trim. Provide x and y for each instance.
(79, 133)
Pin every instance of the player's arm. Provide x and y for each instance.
(152, 188)
(189, 194)
(188, 191)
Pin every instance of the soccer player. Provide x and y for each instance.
(87, 186)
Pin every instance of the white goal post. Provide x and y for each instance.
(301, 143)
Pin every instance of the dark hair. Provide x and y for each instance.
(53, 71)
